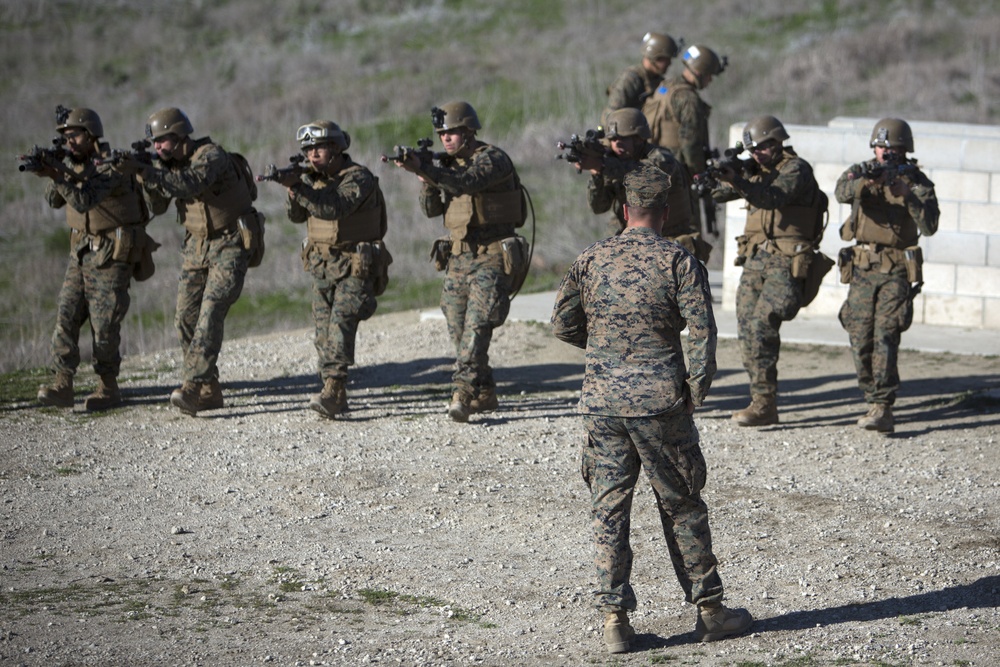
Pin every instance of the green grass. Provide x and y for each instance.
(21, 386)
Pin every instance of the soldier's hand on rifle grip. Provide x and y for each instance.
(591, 163)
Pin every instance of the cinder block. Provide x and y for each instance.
(979, 218)
(938, 151)
(815, 144)
(954, 311)
(939, 278)
(827, 174)
(995, 187)
(977, 280)
(949, 216)
(953, 185)
(955, 248)
(991, 314)
(982, 155)
(993, 252)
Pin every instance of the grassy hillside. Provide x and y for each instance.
(248, 72)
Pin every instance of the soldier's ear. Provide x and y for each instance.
(625, 212)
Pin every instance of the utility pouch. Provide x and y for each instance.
(516, 251)
(441, 252)
(845, 258)
(381, 259)
(819, 266)
(124, 243)
(914, 260)
(361, 260)
(251, 226)
(143, 266)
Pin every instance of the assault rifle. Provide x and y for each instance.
(708, 180)
(38, 158)
(423, 153)
(272, 173)
(137, 152)
(578, 148)
(895, 165)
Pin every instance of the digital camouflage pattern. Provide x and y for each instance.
(213, 270)
(879, 305)
(768, 294)
(631, 89)
(606, 190)
(683, 108)
(475, 298)
(340, 301)
(95, 286)
(625, 301)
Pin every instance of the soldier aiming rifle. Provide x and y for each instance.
(591, 144)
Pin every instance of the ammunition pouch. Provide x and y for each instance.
(818, 266)
(845, 258)
(371, 260)
(441, 253)
(133, 245)
(695, 245)
(251, 226)
(516, 252)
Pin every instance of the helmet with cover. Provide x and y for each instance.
(168, 121)
(892, 133)
(761, 129)
(704, 61)
(455, 115)
(82, 117)
(658, 45)
(627, 122)
(321, 132)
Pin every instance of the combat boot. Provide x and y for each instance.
(105, 396)
(332, 400)
(879, 418)
(485, 401)
(618, 631)
(187, 398)
(210, 396)
(58, 394)
(762, 411)
(458, 409)
(719, 622)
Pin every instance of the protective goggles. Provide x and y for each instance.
(314, 133)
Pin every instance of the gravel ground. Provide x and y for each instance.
(263, 534)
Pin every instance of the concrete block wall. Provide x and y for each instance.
(961, 262)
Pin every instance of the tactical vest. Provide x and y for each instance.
(658, 110)
(650, 82)
(883, 222)
(123, 206)
(501, 207)
(789, 224)
(367, 223)
(218, 208)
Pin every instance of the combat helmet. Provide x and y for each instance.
(321, 132)
(703, 61)
(168, 121)
(82, 118)
(761, 129)
(626, 122)
(892, 133)
(659, 45)
(454, 115)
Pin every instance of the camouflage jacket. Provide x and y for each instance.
(790, 182)
(677, 110)
(626, 300)
(631, 89)
(91, 187)
(189, 178)
(330, 197)
(606, 190)
(919, 207)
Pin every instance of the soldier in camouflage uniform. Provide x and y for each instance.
(625, 301)
(892, 204)
(477, 191)
(212, 195)
(784, 225)
(344, 210)
(637, 83)
(106, 215)
(628, 134)
(678, 117)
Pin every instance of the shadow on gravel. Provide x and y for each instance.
(980, 594)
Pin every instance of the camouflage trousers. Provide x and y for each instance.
(95, 288)
(475, 299)
(339, 302)
(211, 280)
(877, 311)
(667, 448)
(766, 297)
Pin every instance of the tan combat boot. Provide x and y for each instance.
(762, 411)
(879, 418)
(105, 396)
(187, 398)
(210, 397)
(617, 631)
(459, 409)
(719, 622)
(58, 394)
(485, 401)
(332, 400)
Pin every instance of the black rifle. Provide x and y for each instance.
(272, 173)
(38, 158)
(708, 180)
(895, 165)
(422, 152)
(137, 152)
(578, 148)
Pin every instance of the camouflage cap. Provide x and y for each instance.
(647, 186)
